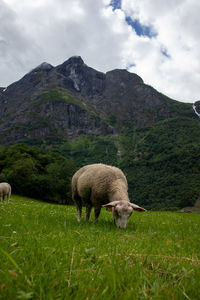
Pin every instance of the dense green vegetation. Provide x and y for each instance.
(162, 163)
(33, 172)
(46, 254)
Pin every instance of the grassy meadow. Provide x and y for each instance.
(46, 254)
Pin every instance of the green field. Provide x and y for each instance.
(46, 254)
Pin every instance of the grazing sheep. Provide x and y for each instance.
(98, 184)
(5, 190)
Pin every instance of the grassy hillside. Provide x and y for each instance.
(162, 163)
(45, 254)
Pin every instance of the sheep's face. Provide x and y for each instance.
(121, 211)
(121, 214)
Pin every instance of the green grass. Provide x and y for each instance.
(46, 254)
(58, 95)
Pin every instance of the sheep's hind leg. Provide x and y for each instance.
(78, 203)
(8, 197)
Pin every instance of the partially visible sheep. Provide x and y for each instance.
(98, 184)
(5, 190)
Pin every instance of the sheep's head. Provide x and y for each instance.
(121, 211)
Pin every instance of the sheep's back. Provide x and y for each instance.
(98, 179)
(4, 187)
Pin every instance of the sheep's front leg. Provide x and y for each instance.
(88, 211)
(97, 211)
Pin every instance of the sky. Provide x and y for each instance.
(158, 40)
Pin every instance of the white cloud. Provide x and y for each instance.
(177, 25)
(53, 30)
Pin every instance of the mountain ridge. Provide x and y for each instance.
(74, 99)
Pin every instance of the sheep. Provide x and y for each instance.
(5, 190)
(98, 184)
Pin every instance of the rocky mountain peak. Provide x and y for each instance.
(73, 70)
(123, 75)
(74, 99)
(82, 78)
(75, 60)
(73, 63)
(43, 67)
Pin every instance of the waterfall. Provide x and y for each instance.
(196, 112)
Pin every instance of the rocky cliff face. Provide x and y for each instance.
(73, 99)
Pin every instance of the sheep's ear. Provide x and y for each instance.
(136, 207)
(110, 204)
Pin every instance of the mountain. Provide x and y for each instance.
(73, 99)
(114, 118)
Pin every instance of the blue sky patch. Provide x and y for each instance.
(130, 66)
(164, 52)
(140, 29)
(116, 4)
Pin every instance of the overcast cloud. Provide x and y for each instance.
(158, 40)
